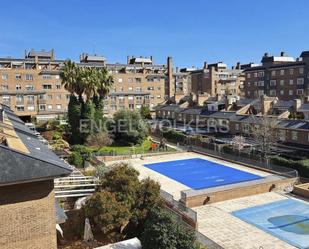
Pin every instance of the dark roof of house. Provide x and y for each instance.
(304, 107)
(284, 104)
(222, 114)
(304, 54)
(38, 163)
(194, 111)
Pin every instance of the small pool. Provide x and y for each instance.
(198, 173)
(287, 220)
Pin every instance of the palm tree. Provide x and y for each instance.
(68, 75)
(105, 82)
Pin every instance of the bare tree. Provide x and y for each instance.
(264, 133)
(238, 143)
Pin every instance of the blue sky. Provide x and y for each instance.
(190, 31)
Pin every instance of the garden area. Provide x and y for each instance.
(125, 207)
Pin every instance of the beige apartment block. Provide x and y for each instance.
(31, 86)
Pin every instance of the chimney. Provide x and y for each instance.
(238, 65)
(205, 65)
(282, 54)
(151, 58)
(265, 104)
(266, 54)
(171, 84)
(177, 69)
(52, 55)
(296, 104)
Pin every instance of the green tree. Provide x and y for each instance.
(163, 232)
(130, 128)
(145, 112)
(106, 214)
(123, 181)
(74, 113)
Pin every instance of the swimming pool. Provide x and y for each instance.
(287, 220)
(198, 173)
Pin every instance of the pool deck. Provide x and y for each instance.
(171, 186)
(217, 223)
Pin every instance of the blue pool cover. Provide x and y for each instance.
(199, 173)
(288, 220)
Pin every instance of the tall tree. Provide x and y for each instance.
(68, 75)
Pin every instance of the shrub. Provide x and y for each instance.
(76, 159)
(57, 135)
(175, 136)
(106, 214)
(302, 166)
(163, 232)
(83, 150)
(130, 128)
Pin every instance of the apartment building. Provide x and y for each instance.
(27, 201)
(217, 80)
(31, 86)
(278, 76)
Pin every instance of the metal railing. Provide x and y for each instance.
(250, 160)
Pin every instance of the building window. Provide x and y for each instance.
(49, 107)
(18, 76)
(20, 108)
(291, 92)
(300, 91)
(294, 135)
(301, 70)
(120, 80)
(291, 82)
(57, 76)
(4, 88)
(4, 76)
(158, 96)
(49, 97)
(273, 82)
(261, 83)
(138, 89)
(30, 108)
(138, 80)
(261, 93)
(282, 135)
(18, 87)
(261, 74)
(30, 99)
(237, 127)
(29, 77)
(281, 92)
(19, 99)
(130, 97)
(29, 87)
(59, 107)
(282, 72)
(291, 71)
(248, 75)
(46, 76)
(41, 96)
(281, 82)
(272, 93)
(58, 96)
(47, 86)
(130, 80)
(130, 88)
(58, 86)
(300, 81)
(255, 75)
(42, 107)
(273, 73)
(131, 106)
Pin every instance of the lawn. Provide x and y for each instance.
(137, 149)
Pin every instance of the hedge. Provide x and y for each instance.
(175, 136)
(302, 166)
(76, 159)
